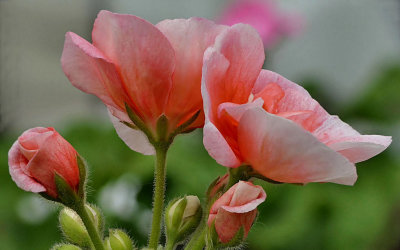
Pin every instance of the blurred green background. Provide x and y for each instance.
(315, 216)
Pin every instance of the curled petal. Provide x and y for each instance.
(280, 150)
(246, 197)
(17, 163)
(236, 111)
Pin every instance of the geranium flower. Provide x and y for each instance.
(153, 69)
(256, 117)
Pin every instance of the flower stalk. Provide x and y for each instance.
(158, 196)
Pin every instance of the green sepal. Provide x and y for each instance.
(178, 213)
(48, 197)
(212, 185)
(168, 223)
(82, 177)
(65, 247)
(182, 128)
(211, 236)
(118, 240)
(162, 128)
(132, 126)
(66, 194)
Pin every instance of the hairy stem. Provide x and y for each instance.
(158, 196)
(90, 227)
(198, 240)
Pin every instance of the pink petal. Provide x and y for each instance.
(295, 99)
(362, 148)
(282, 151)
(55, 155)
(89, 70)
(143, 55)
(218, 147)
(17, 162)
(228, 224)
(271, 94)
(189, 38)
(267, 77)
(246, 198)
(134, 138)
(212, 89)
(242, 47)
(236, 111)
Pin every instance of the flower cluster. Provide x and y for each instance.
(158, 81)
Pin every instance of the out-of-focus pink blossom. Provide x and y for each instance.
(264, 15)
(154, 69)
(235, 209)
(37, 155)
(257, 117)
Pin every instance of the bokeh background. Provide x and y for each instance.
(345, 52)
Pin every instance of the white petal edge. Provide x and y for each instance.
(134, 139)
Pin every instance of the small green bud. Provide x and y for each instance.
(65, 247)
(73, 228)
(182, 218)
(118, 240)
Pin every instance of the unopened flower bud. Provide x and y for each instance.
(182, 218)
(118, 240)
(39, 157)
(73, 227)
(233, 214)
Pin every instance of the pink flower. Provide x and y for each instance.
(259, 118)
(235, 209)
(265, 17)
(154, 69)
(37, 155)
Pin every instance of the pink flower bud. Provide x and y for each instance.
(235, 209)
(37, 155)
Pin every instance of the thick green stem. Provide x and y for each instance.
(198, 240)
(158, 196)
(90, 227)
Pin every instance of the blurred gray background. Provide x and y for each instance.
(342, 46)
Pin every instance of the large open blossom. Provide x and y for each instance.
(257, 117)
(154, 69)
